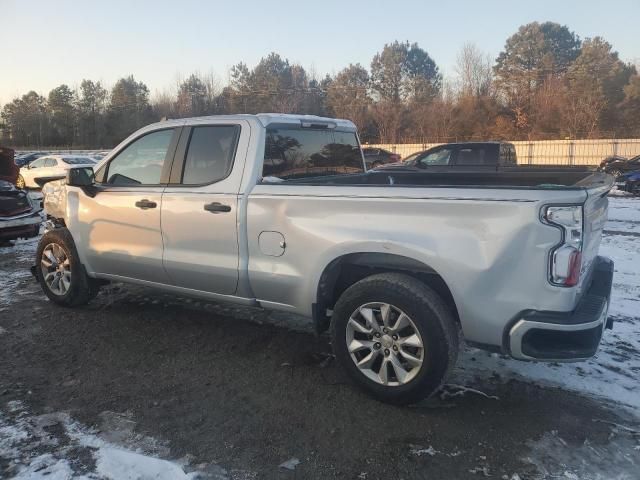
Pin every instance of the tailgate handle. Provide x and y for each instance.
(144, 204)
(217, 207)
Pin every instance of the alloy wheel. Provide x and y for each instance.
(384, 344)
(56, 269)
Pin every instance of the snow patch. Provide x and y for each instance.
(290, 464)
(419, 451)
(556, 458)
(16, 281)
(35, 450)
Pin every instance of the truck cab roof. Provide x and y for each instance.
(268, 119)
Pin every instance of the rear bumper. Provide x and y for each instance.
(566, 336)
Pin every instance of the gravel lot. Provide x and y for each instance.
(143, 385)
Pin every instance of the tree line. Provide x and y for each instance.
(546, 83)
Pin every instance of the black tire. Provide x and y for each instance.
(82, 288)
(615, 173)
(429, 314)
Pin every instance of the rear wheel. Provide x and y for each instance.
(395, 337)
(59, 271)
(20, 181)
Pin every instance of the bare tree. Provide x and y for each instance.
(163, 103)
(474, 71)
(388, 117)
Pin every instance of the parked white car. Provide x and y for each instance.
(50, 167)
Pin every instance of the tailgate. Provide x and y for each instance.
(595, 218)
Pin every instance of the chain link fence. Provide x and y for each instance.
(540, 152)
(547, 152)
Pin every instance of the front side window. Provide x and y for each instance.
(141, 162)
(38, 163)
(210, 154)
(300, 153)
(439, 157)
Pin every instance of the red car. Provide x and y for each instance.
(20, 215)
(8, 169)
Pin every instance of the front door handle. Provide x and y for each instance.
(145, 204)
(217, 207)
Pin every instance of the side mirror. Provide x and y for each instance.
(83, 177)
(80, 177)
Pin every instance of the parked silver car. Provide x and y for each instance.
(277, 211)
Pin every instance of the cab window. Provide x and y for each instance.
(142, 161)
(210, 154)
(471, 156)
(301, 153)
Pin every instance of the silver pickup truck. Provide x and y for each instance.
(278, 211)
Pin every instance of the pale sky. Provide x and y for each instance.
(45, 43)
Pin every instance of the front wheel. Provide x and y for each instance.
(395, 337)
(59, 271)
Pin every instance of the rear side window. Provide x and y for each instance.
(50, 162)
(300, 153)
(471, 156)
(210, 154)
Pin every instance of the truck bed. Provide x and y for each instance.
(516, 177)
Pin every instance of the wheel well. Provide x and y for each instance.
(344, 271)
(56, 222)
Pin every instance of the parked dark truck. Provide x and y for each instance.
(461, 157)
(277, 211)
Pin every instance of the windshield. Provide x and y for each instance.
(78, 160)
(411, 158)
(303, 153)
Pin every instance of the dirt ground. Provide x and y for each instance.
(235, 392)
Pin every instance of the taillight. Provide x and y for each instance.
(566, 259)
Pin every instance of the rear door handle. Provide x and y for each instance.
(145, 204)
(217, 207)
